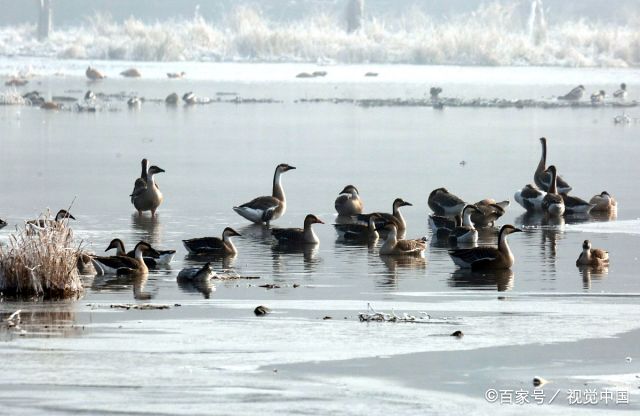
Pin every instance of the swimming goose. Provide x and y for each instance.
(542, 178)
(441, 226)
(598, 97)
(394, 247)
(51, 105)
(124, 265)
(3, 223)
(213, 245)
(174, 75)
(149, 197)
(298, 235)
(358, 231)
(172, 98)
(189, 98)
(131, 73)
(465, 233)
(573, 95)
(530, 198)
(94, 74)
(383, 218)
(152, 258)
(264, 209)
(592, 256)
(197, 273)
(60, 216)
(348, 202)
(90, 96)
(603, 202)
(552, 203)
(575, 205)
(434, 92)
(444, 203)
(134, 102)
(621, 94)
(487, 258)
(488, 212)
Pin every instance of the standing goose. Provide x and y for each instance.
(573, 95)
(552, 203)
(60, 216)
(348, 203)
(149, 197)
(575, 205)
(592, 256)
(465, 233)
(298, 235)
(603, 203)
(488, 212)
(151, 258)
(444, 203)
(213, 245)
(487, 258)
(124, 265)
(357, 231)
(394, 218)
(542, 178)
(264, 209)
(394, 247)
(530, 198)
(621, 94)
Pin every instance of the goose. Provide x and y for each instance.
(573, 95)
(575, 205)
(141, 183)
(94, 74)
(151, 258)
(487, 258)
(175, 75)
(197, 273)
(383, 218)
(441, 226)
(213, 245)
(465, 233)
(592, 256)
(444, 203)
(124, 265)
(434, 92)
(542, 178)
(598, 97)
(51, 105)
(603, 202)
(394, 247)
(552, 203)
(149, 197)
(488, 212)
(134, 102)
(621, 94)
(90, 96)
(60, 216)
(189, 98)
(348, 202)
(265, 209)
(172, 98)
(131, 73)
(3, 223)
(358, 231)
(530, 198)
(298, 235)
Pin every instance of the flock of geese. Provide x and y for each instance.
(453, 220)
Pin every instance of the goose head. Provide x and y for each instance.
(230, 232)
(399, 202)
(586, 245)
(283, 167)
(155, 169)
(350, 189)
(509, 229)
(623, 86)
(605, 195)
(62, 214)
(117, 244)
(144, 247)
(312, 219)
(581, 87)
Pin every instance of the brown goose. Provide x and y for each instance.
(149, 197)
(357, 231)
(394, 247)
(141, 183)
(465, 232)
(542, 178)
(442, 227)
(213, 245)
(603, 202)
(621, 94)
(575, 205)
(383, 218)
(530, 198)
(94, 74)
(60, 216)
(124, 265)
(592, 256)
(151, 258)
(298, 235)
(264, 209)
(444, 203)
(489, 211)
(552, 203)
(131, 73)
(487, 258)
(348, 203)
(573, 95)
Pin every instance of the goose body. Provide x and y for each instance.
(197, 273)
(603, 202)
(42, 223)
(146, 195)
(552, 203)
(444, 203)
(621, 94)
(542, 178)
(123, 265)
(358, 231)
(434, 92)
(592, 256)
(90, 96)
(348, 202)
(134, 102)
(213, 245)
(465, 233)
(598, 97)
(575, 205)
(442, 227)
(530, 198)
(265, 209)
(94, 74)
(383, 218)
(189, 98)
(488, 212)
(175, 75)
(392, 246)
(573, 95)
(295, 236)
(131, 73)
(172, 98)
(487, 258)
(3, 223)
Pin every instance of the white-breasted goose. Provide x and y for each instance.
(63, 214)
(603, 202)
(90, 96)
(149, 197)
(93, 74)
(124, 265)
(487, 258)
(295, 236)
(265, 209)
(357, 231)
(621, 93)
(573, 95)
(489, 211)
(542, 178)
(348, 202)
(466, 232)
(392, 246)
(575, 205)
(444, 203)
(213, 245)
(383, 218)
(592, 256)
(552, 202)
(530, 198)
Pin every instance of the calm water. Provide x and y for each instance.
(219, 155)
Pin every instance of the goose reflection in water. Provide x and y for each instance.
(226, 262)
(284, 254)
(501, 280)
(552, 229)
(113, 283)
(147, 228)
(592, 272)
(395, 265)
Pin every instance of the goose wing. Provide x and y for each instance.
(267, 205)
(204, 245)
(116, 262)
(459, 232)
(139, 186)
(384, 219)
(530, 192)
(411, 246)
(439, 222)
(476, 254)
(288, 235)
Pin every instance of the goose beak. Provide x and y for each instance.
(71, 217)
(291, 167)
(319, 221)
(517, 230)
(405, 204)
(160, 170)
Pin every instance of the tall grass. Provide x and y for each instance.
(41, 262)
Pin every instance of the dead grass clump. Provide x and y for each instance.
(41, 262)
